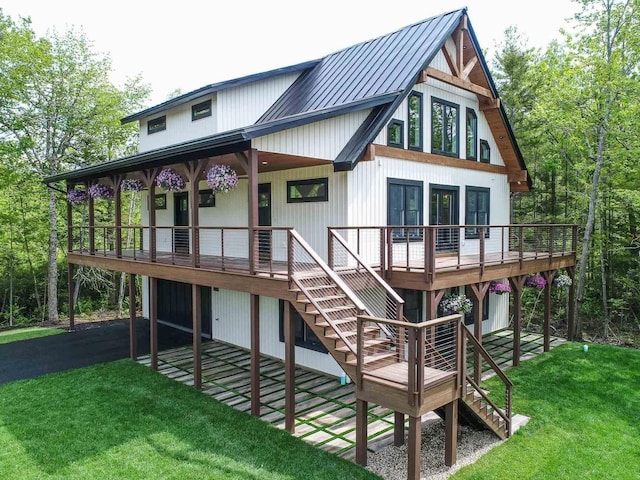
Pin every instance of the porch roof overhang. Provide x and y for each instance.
(214, 145)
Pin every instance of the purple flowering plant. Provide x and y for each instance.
(131, 185)
(222, 178)
(499, 287)
(170, 180)
(536, 281)
(76, 196)
(456, 304)
(100, 190)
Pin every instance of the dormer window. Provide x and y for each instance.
(157, 125)
(201, 110)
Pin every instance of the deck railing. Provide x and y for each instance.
(431, 350)
(431, 249)
(217, 248)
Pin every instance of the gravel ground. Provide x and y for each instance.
(391, 462)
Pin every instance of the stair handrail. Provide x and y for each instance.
(477, 346)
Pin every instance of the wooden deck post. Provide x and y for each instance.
(255, 355)
(517, 284)
(70, 289)
(413, 450)
(398, 429)
(361, 431)
(72, 323)
(433, 300)
(92, 223)
(451, 433)
(153, 321)
(249, 162)
(117, 197)
(194, 169)
(479, 290)
(571, 310)
(289, 370)
(150, 182)
(196, 312)
(548, 276)
(133, 350)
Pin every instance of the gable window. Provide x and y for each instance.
(311, 190)
(201, 110)
(157, 125)
(404, 207)
(444, 127)
(304, 336)
(477, 210)
(485, 152)
(472, 135)
(395, 133)
(414, 124)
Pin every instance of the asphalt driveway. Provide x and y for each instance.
(88, 345)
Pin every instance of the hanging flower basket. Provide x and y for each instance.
(456, 304)
(536, 281)
(170, 180)
(222, 178)
(100, 190)
(77, 196)
(562, 280)
(130, 185)
(499, 288)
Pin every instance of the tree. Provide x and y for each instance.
(59, 110)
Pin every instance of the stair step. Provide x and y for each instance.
(333, 309)
(352, 333)
(325, 299)
(373, 342)
(323, 323)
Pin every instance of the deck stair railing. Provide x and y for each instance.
(379, 298)
(474, 396)
(427, 353)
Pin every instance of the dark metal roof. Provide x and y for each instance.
(390, 63)
(214, 87)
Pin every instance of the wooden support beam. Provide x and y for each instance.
(133, 350)
(398, 428)
(458, 82)
(517, 284)
(153, 321)
(369, 154)
(452, 65)
(361, 431)
(479, 291)
(517, 176)
(193, 170)
(486, 103)
(548, 276)
(571, 310)
(255, 354)
(249, 162)
(117, 196)
(149, 179)
(92, 222)
(466, 71)
(289, 370)
(413, 449)
(70, 283)
(451, 433)
(196, 313)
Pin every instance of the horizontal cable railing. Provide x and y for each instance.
(475, 353)
(430, 352)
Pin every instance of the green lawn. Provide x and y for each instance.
(123, 421)
(26, 333)
(585, 418)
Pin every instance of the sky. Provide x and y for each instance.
(188, 44)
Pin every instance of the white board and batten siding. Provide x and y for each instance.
(244, 105)
(180, 126)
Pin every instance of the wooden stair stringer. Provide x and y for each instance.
(476, 411)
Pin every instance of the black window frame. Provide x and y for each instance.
(484, 146)
(418, 233)
(440, 149)
(309, 181)
(206, 198)
(205, 107)
(471, 113)
(304, 336)
(419, 146)
(156, 125)
(473, 233)
(395, 123)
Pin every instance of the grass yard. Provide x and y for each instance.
(122, 420)
(585, 410)
(18, 334)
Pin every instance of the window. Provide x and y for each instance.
(312, 190)
(472, 135)
(304, 336)
(485, 152)
(157, 125)
(415, 121)
(404, 207)
(444, 127)
(477, 210)
(206, 198)
(395, 134)
(201, 110)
